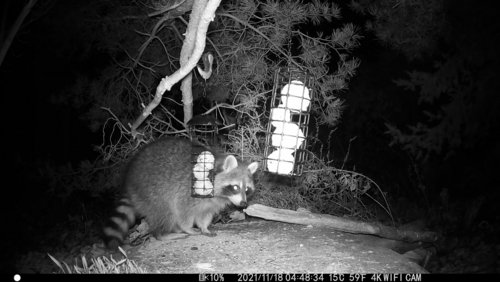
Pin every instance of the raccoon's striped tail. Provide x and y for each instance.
(119, 223)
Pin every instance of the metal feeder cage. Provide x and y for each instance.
(202, 131)
(287, 129)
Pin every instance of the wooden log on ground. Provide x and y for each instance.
(339, 223)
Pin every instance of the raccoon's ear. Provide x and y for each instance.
(230, 163)
(253, 167)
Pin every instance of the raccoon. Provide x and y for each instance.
(157, 186)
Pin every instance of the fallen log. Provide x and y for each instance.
(338, 223)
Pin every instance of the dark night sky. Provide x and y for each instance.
(44, 60)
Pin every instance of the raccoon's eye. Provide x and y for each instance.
(236, 187)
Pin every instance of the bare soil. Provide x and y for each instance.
(260, 246)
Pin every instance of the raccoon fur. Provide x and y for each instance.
(157, 186)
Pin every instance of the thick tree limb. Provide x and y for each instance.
(199, 46)
(186, 51)
(338, 223)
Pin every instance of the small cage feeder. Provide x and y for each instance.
(288, 122)
(202, 131)
(203, 162)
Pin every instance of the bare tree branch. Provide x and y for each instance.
(186, 51)
(15, 28)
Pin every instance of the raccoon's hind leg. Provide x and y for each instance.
(188, 230)
(179, 232)
(203, 220)
(186, 226)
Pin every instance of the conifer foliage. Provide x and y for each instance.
(249, 40)
(455, 45)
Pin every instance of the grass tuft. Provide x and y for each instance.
(100, 265)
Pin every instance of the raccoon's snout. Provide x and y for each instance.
(238, 200)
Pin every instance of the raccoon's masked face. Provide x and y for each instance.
(236, 181)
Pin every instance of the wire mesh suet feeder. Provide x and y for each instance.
(203, 162)
(288, 122)
(202, 131)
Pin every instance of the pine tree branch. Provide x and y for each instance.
(264, 36)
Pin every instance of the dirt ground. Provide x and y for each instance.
(260, 246)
